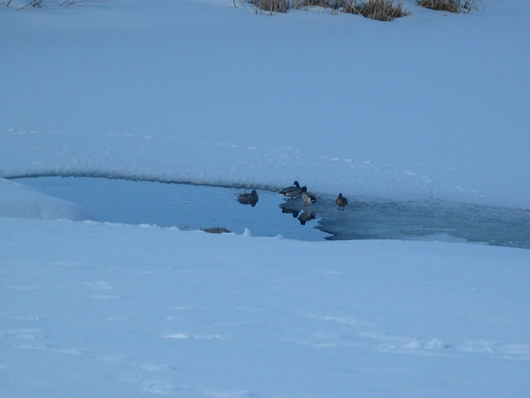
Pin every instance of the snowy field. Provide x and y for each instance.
(428, 109)
(91, 310)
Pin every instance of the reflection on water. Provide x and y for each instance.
(306, 216)
(442, 221)
(188, 207)
(195, 207)
(248, 198)
(302, 215)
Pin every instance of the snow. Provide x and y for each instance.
(430, 108)
(424, 107)
(18, 200)
(117, 310)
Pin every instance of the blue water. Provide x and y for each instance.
(187, 207)
(191, 207)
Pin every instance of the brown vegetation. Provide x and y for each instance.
(271, 5)
(381, 10)
(455, 6)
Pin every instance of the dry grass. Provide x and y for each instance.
(334, 4)
(34, 3)
(271, 5)
(44, 3)
(381, 10)
(455, 6)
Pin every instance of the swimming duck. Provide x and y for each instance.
(341, 201)
(248, 198)
(291, 191)
(308, 197)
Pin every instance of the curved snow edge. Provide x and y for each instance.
(20, 201)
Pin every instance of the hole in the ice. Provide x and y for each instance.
(192, 207)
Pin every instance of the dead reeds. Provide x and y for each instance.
(380, 10)
(454, 6)
(271, 6)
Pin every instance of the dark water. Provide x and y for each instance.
(195, 207)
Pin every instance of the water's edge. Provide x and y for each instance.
(192, 206)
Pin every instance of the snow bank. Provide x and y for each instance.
(93, 309)
(18, 200)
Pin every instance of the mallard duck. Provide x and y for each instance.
(308, 197)
(248, 198)
(341, 201)
(291, 191)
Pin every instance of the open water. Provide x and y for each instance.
(191, 207)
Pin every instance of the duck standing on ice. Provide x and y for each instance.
(341, 201)
(308, 197)
(291, 191)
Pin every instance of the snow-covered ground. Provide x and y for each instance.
(92, 310)
(428, 107)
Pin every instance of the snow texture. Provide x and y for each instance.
(430, 107)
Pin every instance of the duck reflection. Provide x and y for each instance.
(302, 215)
(306, 216)
(248, 198)
(287, 210)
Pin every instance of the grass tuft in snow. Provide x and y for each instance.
(271, 5)
(380, 10)
(33, 3)
(334, 4)
(455, 6)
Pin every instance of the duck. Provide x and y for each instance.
(248, 198)
(308, 197)
(341, 201)
(291, 191)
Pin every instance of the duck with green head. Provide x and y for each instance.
(307, 197)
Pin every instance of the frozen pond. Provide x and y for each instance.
(196, 207)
